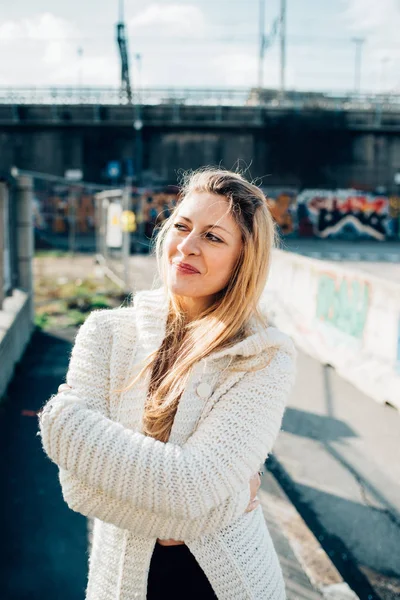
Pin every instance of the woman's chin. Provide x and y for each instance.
(179, 288)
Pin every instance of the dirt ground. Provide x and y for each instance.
(68, 287)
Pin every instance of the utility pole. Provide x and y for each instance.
(282, 30)
(123, 51)
(80, 55)
(126, 236)
(384, 62)
(357, 64)
(138, 58)
(261, 16)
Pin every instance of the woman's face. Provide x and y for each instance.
(202, 248)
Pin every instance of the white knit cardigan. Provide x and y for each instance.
(194, 488)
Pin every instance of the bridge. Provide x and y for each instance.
(320, 140)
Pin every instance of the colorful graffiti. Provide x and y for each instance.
(343, 303)
(55, 211)
(282, 204)
(346, 214)
(58, 208)
(155, 207)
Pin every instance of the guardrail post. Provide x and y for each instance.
(25, 246)
(3, 192)
(176, 116)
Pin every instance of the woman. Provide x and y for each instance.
(172, 405)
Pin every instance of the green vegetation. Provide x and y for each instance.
(60, 302)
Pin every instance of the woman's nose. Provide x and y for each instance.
(190, 244)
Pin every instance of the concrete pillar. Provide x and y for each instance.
(3, 200)
(25, 247)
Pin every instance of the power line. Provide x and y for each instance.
(261, 19)
(228, 38)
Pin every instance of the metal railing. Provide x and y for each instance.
(199, 97)
(72, 215)
(8, 242)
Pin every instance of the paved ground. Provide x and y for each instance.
(381, 259)
(339, 250)
(337, 459)
(43, 543)
(45, 551)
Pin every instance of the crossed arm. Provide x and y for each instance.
(95, 503)
(209, 471)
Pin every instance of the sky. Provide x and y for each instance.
(200, 43)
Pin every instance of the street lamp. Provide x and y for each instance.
(80, 55)
(357, 64)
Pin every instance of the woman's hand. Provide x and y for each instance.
(64, 387)
(255, 482)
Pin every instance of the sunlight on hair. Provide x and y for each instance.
(224, 322)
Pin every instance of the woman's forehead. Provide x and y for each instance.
(205, 204)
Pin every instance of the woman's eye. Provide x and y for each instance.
(210, 236)
(213, 238)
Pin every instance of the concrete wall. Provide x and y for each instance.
(16, 310)
(321, 148)
(343, 317)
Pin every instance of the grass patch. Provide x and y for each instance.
(60, 302)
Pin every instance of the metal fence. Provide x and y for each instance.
(126, 220)
(16, 281)
(97, 219)
(8, 240)
(347, 101)
(68, 216)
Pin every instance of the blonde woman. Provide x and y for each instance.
(172, 405)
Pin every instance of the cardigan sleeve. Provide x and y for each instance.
(91, 354)
(89, 365)
(94, 503)
(185, 482)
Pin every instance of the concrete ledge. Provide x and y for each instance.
(341, 316)
(16, 328)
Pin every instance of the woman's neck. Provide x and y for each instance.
(194, 307)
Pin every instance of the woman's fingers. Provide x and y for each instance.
(255, 482)
(64, 387)
(252, 505)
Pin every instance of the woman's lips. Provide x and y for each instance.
(186, 270)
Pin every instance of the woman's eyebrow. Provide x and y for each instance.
(207, 226)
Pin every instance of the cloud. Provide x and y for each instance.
(46, 37)
(94, 71)
(378, 23)
(44, 50)
(236, 68)
(40, 27)
(172, 19)
(381, 19)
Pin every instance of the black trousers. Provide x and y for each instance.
(175, 573)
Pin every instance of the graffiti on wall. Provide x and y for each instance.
(55, 211)
(314, 213)
(154, 207)
(343, 302)
(57, 208)
(346, 213)
(282, 207)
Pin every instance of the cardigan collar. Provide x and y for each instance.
(151, 310)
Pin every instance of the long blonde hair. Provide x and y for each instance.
(224, 322)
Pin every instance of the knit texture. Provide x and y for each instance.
(193, 488)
